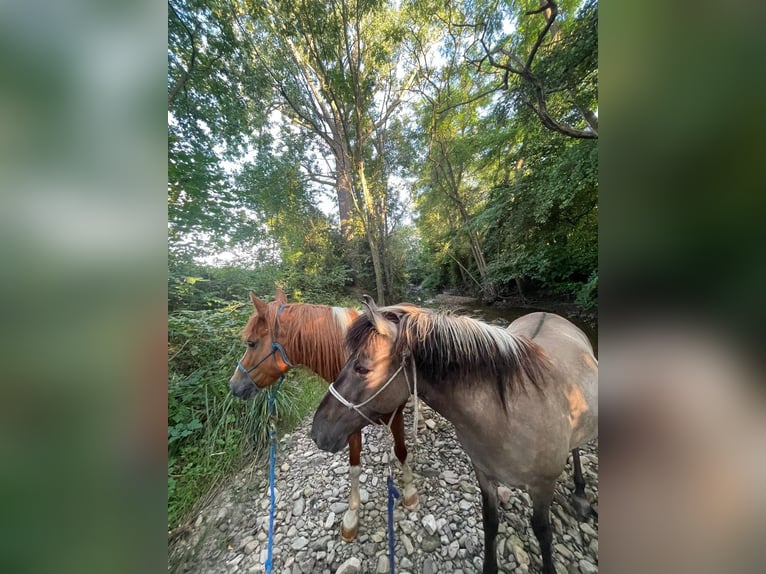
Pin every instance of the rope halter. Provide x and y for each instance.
(275, 347)
(357, 407)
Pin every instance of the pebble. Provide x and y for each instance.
(300, 542)
(338, 507)
(430, 543)
(564, 551)
(329, 520)
(450, 477)
(445, 535)
(407, 544)
(504, 494)
(350, 566)
(429, 523)
(521, 555)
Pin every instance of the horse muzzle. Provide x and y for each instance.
(325, 439)
(243, 389)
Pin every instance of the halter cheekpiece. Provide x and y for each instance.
(275, 347)
(357, 407)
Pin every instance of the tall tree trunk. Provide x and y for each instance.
(375, 239)
(345, 199)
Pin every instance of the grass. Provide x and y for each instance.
(212, 434)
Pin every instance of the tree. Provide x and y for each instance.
(548, 64)
(209, 121)
(337, 71)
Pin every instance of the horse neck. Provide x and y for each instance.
(315, 340)
(464, 409)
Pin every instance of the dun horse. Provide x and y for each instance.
(520, 399)
(281, 335)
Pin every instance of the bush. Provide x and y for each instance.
(210, 432)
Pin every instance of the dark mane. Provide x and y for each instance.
(459, 350)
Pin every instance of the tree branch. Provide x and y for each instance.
(186, 72)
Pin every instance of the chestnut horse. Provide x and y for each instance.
(520, 399)
(281, 335)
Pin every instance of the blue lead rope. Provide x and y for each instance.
(392, 494)
(272, 464)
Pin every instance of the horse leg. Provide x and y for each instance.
(541, 524)
(410, 499)
(350, 523)
(490, 520)
(580, 503)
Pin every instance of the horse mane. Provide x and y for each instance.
(462, 350)
(312, 335)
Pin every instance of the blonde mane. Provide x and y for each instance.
(458, 350)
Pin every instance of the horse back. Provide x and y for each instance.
(572, 379)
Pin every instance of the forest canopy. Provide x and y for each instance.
(383, 146)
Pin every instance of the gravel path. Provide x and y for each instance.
(443, 536)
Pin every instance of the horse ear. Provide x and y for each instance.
(381, 324)
(260, 306)
(280, 297)
(369, 302)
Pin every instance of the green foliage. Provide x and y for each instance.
(210, 432)
(587, 296)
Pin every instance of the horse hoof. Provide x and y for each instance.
(582, 507)
(348, 535)
(411, 502)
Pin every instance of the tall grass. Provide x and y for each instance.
(211, 434)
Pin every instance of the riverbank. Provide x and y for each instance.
(445, 535)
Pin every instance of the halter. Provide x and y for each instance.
(335, 393)
(274, 348)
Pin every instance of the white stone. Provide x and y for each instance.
(429, 522)
(350, 566)
(450, 477)
(329, 520)
(408, 547)
(300, 542)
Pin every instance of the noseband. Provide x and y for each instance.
(334, 392)
(275, 347)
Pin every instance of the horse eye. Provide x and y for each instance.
(360, 369)
(252, 344)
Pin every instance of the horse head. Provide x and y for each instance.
(265, 359)
(370, 385)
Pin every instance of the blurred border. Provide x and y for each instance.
(83, 161)
(83, 229)
(683, 274)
